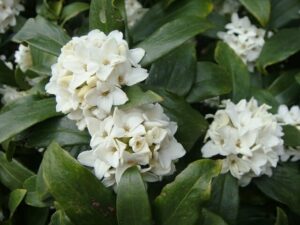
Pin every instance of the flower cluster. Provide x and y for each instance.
(290, 117)
(23, 57)
(140, 136)
(9, 9)
(244, 38)
(134, 11)
(90, 72)
(248, 136)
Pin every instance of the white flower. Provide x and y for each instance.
(23, 57)
(10, 94)
(229, 7)
(143, 137)
(249, 138)
(134, 11)
(8, 64)
(244, 38)
(90, 73)
(9, 9)
(290, 117)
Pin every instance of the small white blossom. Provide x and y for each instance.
(9, 9)
(142, 137)
(8, 64)
(229, 7)
(290, 117)
(244, 38)
(90, 72)
(23, 57)
(249, 138)
(134, 11)
(10, 94)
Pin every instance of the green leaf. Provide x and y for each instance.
(42, 35)
(78, 192)
(15, 199)
(138, 97)
(191, 124)
(176, 71)
(60, 129)
(211, 81)
(251, 215)
(291, 136)
(72, 10)
(282, 218)
(24, 113)
(234, 66)
(107, 15)
(210, 218)
(133, 207)
(285, 89)
(273, 51)
(225, 197)
(12, 174)
(35, 216)
(6, 75)
(283, 185)
(265, 97)
(260, 9)
(158, 15)
(60, 218)
(180, 201)
(170, 36)
(284, 12)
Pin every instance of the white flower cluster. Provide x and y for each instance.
(244, 38)
(229, 7)
(134, 11)
(23, 57)
(290, 117)
(9, 9)
(141, 136)
(90, 72)
(248, 136)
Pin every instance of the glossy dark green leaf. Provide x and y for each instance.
(284, 12)
(251, 215)
(15, 199)
(60, 218)
(6, 75)
(72, 10)
(158, 15)
(211, 81)
(260, 9)
(291, 136)
(12, 174)
(20, 78)
(191, 124)
(273, 51)
(180, 201)
(170, 36)
(133, 207)
(78, 192)
(283, 185)
(281, 218)
(106, 15)
(58, 129)
(176, 71)
(24, 113)
(138, 97)
(35, 216)
(235, 67)
(285, 89)
(225, 197)
(43, 35)
(210, 218)
(264, 96)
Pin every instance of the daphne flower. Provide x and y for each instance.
(249, 138)
(8, 64)
(142, 137)
(134, 11)
(23, 57)
(290, 117)
(244, 38)
(9, 9)
(10, 94)
(90, 73)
